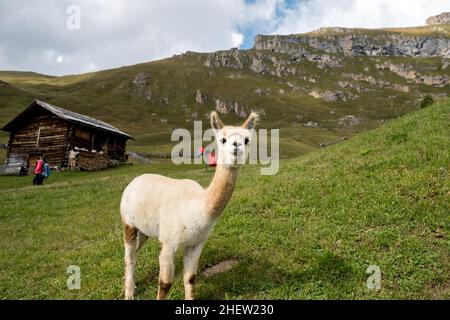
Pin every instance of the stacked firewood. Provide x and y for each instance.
(87, 160)
(90, 161)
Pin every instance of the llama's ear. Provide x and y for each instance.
(251, 121)
(216, 123)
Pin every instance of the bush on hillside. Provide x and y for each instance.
(426, 101)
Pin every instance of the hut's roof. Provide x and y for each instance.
(69, 116)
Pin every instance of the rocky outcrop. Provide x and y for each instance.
(140, 79)
(281, 67)
(239, 110)
(443, 18)
(309, 79)
(324, 60)
(262, 91)
(401, 70)
(311, 124)
(139, 88)
(264, 63)
(375, 82)
(223, 106)
(227, 58)
(257, 65)
(226, 107)
(413, 76)
(234, 76)
(200, 97)
(438, 96)
(435, 81)
(165, 100)
(357, 44)
(329, 95)
(349, 85)
(349, 120)
(293, 86)
(273, 66)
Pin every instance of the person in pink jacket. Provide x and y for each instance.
(39, 172)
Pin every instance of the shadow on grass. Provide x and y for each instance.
(146, 286)
(330, 274)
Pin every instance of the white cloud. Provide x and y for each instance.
(262, 10)
(114, 33)
(236, 39)
(313, 14)
(117, 32)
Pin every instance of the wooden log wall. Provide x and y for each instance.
(46, 134)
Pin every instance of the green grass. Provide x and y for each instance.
(309, 232)
(437, 31)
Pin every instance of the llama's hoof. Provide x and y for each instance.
(129, 296)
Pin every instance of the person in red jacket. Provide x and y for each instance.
(39, 172)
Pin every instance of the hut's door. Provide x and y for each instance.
(32, 159)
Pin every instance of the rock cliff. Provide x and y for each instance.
(443, 18)
(353, 42)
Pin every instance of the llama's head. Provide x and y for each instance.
(232, 142)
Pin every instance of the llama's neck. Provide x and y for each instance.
(220, 190)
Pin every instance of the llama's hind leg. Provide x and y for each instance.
(166, 270)
(130, 241)
(191, 257)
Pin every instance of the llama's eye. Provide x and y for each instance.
(223, 140)
(246, 141)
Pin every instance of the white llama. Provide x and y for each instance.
(181, 213)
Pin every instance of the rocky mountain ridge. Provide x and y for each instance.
(351, 42)
(283, 56)
(443, 18)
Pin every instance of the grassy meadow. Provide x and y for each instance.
(309, 232)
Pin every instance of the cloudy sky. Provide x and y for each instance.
(60, 37)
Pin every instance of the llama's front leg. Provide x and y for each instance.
(191, 257)
(129, 236)
(166, 270)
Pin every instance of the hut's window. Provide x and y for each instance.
(81, 134)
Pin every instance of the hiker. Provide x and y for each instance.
(47, 169)
(39, 172)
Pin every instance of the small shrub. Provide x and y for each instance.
(426, 101)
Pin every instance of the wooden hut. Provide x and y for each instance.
(56, 134)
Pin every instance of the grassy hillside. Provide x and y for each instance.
(310, 232)
(148, 100)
